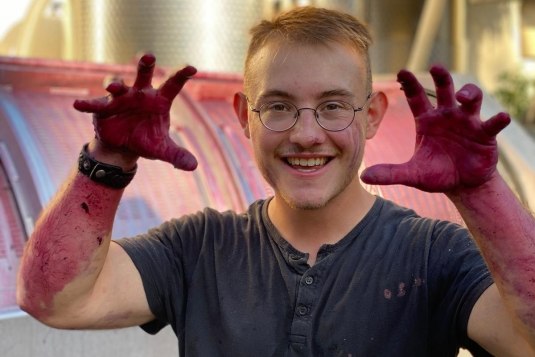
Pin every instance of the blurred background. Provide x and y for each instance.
(54, 51)
(493, 40)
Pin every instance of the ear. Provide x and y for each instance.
(242, 112)
(376, 111)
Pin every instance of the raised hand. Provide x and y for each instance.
(135, 120)
(454, 149)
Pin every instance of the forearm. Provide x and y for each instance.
(66, 251)
(60, 280)
(505, 232)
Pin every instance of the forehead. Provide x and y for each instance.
(307, 71)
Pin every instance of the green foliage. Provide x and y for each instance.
(515, 93)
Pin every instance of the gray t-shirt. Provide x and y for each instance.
(230, 285)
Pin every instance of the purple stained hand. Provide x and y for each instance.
(135, 120)
(454, 148)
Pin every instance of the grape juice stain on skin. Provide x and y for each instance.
(57, 261)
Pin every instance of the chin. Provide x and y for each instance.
(313, 199)
(306, 203)
(307, 206)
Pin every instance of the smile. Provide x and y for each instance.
(308, 163)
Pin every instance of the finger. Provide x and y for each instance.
(174, 84)
(415, 93)
(91, 105)
(387, 174)
(470, 96)
(445, 89)
(145, 70)
(496, 124)
(117, 88)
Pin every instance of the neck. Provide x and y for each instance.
(308, 229)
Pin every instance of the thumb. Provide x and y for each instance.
(184, 160)
(179, 157)
(387, 174)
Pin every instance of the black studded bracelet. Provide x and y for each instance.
(104, 174)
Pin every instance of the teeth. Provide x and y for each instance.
(307, 162)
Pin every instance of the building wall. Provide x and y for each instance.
(493, 40)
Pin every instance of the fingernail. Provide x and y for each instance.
(464, 93)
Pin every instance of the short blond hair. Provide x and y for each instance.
(311, 26)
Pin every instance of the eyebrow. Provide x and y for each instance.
(274, 93)
(337, 93)
(326, 94)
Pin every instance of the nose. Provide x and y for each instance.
(306, 131)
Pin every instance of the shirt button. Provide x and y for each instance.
(302, 310)
(309, 280)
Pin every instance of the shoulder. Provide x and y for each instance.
(395, 217)
(210, 217)
(404, 226)
(196, 234)
(211, 225)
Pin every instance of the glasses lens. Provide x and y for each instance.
(278, 116)
(335, 115)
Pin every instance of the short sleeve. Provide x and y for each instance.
(457, 277)
(159, 257)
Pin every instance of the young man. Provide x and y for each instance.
(304, 273)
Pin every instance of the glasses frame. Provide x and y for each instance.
(316, 116)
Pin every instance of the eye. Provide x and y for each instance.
(333, 106)
(277, 107)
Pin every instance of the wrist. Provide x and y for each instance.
(103, 173)
(103, 153)
(495, 186)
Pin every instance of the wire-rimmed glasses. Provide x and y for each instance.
(331, 115)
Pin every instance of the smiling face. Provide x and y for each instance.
(306, 165)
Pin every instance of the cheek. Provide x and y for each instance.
(352, 139)
(262, 143)
(262, 138)
(352, 145)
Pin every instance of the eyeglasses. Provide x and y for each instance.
(332, 115)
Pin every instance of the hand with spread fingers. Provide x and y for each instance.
(135, 120)
(454, 148)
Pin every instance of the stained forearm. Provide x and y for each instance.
(505, 232)
(67, 249)
(61, 265)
